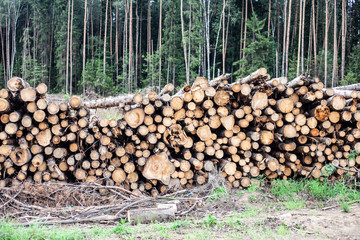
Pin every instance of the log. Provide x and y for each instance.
(158, 167)
(15, 84)
(148, 215)
(28, 94)
(253, 76)
(135, 117)
(259, 101)
(20, 156)
(4, 105)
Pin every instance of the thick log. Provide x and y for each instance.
(28, 94)
(158, 167)
(15, 84)
(135, 117)
(259, 101)
(4, 105)
(20, 156)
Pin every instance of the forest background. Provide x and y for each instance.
(118, 46)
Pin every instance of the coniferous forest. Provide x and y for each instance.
(117, 46)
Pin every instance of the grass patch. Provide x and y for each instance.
(345, 206)
(292, 205)
(210, 221)
(10, 231)
(291, 190)
(218, 193)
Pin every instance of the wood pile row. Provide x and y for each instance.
(238, 131)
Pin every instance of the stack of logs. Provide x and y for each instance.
(253, 126)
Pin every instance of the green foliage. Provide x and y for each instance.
(121, 227)
(353, 154)
(323, 191)
(352, 75)
(218, 193)
(96, 80)
(295, 204)
(10, 231)
(328, 170)
(180, 224)
(259, 52)
(210, 221)
(282, 230)
(345, 206)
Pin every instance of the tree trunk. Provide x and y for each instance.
(136, 47)
(3, 55)
(130, 46)
(269, 19)
(67, 53)
(148, 34)
(335, 62)
(184, 43)
(84, 48)
(105, 32)
(160, 39)
(299, 40)
(223, 39)
(326, 41)
(284, 39)
(117, 42)
(216, 44)
(241, 31)
(302, 38)
(110, 32)
(287, 40)
(245, 26)
(92, 32)
(343, 37)
(71, 46)
(314, 34)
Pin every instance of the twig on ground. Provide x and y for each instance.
(338, 205)
(346, 169)
(12, 198)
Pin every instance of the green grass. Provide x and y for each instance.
(345, 206)
(10, 231)
(292, 190)
(218, 193)
(236, 226)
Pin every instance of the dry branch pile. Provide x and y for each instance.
(253, 126)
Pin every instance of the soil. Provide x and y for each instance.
(329, 222)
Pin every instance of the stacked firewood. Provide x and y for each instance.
(238, 131)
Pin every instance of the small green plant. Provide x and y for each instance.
(345, 206)
(210, 221)
(328, 170)
(178, 224)
(297, 204)
(66, 96)
(286, 190)
(252, 198)
(218, 193)
(282, 229)
(353, 154)
(121, 227)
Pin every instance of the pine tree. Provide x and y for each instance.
(260, 52)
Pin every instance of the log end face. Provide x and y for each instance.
(159, 167)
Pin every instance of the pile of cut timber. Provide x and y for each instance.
(253, 126)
